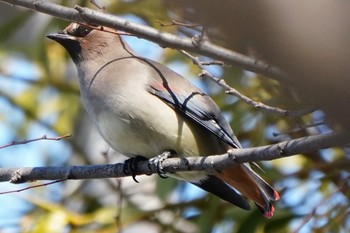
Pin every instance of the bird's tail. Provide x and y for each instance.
(252, 186)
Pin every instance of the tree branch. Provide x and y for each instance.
(14, 143)
(86, 15)
(232, 91)
(171, 165)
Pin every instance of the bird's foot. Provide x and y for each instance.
(130, 166)
(157, 162)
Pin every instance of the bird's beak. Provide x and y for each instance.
(60, 37)
(70, 43)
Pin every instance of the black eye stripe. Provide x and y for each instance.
(81, 31)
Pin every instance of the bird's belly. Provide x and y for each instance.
(132, 137)
(123, 135)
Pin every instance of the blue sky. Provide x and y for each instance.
(14, 205)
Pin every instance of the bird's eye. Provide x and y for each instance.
(82, 31)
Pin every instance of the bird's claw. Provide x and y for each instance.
(130, 166)
(157, 162)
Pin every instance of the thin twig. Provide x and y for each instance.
(232, 91)
(199, 40)
(299, 128)
(108, 30)
(13, 143)
(93, 2)
(325, 200)
(209, 63)
(177, 23)
(32, 187)
(119, 209)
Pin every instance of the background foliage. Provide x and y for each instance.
(39, 96)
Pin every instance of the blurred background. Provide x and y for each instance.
(39, 96)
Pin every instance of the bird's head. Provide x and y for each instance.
(87, 42)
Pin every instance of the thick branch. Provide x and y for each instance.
(80, 14)
(171, 165)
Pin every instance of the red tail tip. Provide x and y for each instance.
(276, 196)
(269, 213)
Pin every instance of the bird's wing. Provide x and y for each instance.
(188, 100)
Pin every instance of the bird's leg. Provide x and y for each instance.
(157, 162)
(130, 166)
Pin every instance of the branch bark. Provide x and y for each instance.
(85, 15)
(232, 91)
(171, 165)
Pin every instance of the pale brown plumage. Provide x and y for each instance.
(141, 107)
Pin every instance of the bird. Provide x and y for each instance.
(142, 108)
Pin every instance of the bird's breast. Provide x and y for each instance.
(147, 126)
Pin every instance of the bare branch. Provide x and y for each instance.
(209, 63)
(299, 128)
(177, 23)
(233, 91)
(324, 201)
(93, 2)
(32, 187)
(13, 143)
(85, 15)
(171, 165)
